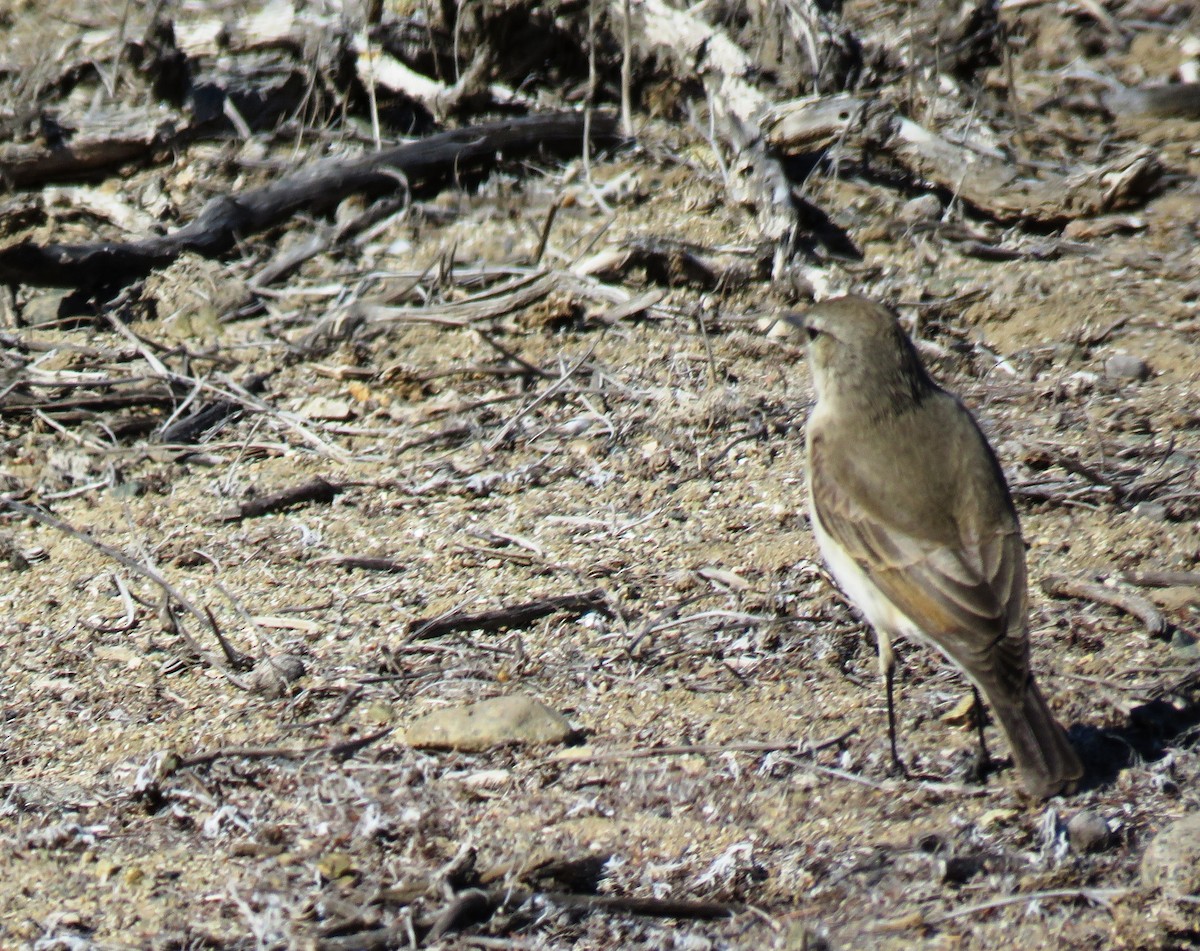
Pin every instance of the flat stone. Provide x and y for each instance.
(328, 408)
(489, 723)
(1172, 859)
(1125, 366)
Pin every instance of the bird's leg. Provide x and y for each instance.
(983, 762)
(887, 666)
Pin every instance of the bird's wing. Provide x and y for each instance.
(969, 597)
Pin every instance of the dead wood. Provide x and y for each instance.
(497, 301)
(699, 49)
(798, 748)
(440, 158)
(1157, 578)
(126, 139)
(508, 618)
(675, 263)
(1060, 586)
(314, 490)
(651, 907)
(475, 906)
(991, 183)
(234, 659)
(209, 415)
(362, 562)
(341, 748)
(84, 407)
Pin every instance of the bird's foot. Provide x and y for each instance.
(897, 770)
(977, 769)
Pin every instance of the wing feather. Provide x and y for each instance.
(967, 597)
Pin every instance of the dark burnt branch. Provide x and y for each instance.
(314, 490)
(427, 163)
(508, 618)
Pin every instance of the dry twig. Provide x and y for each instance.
(1060, 586)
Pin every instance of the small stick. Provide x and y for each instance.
(1161, 579)
(537, 401)
(1098, 895)
(145, 571)
(314, 490)
(545, 235)
(513, 616)
(343, 707)
(361, 561)
(344, 748)
(649, 907)
(1060, 586)
(778, 746)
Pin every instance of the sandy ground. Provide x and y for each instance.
(659, 460)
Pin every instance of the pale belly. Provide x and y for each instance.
(888, 621)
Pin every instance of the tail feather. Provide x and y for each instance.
(1048, 764)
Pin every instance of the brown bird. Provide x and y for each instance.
(914, 519)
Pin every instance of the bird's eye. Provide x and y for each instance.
(813, 332)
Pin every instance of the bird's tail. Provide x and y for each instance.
(1048, 764)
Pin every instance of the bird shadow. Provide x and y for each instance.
(1150, 732)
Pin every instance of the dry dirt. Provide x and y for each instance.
(660, 460)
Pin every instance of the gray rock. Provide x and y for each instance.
(1155, 511)
(489, 723)
(921, 208)
(1185, 645)
(1125, 366)
(1088, 832)
(1172, 859)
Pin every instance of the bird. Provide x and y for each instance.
(915, 522)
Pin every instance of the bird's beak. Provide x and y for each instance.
(801, 321)
(797, 320)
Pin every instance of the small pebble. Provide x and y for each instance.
(1155, 511)
(1088, 832)
(921, 208)
(1185, 645)
(1125, 366)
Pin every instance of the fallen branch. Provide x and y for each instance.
(991, 183)
(508, 618)
(316, 189)
(1098, 895)
(776, 746)
(343, 748)
(363, 562)
(475, 906)
(314, 490)
(235, 659)
(649, 907)
(123, 138)
(1161, 579)
(1060, 586)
